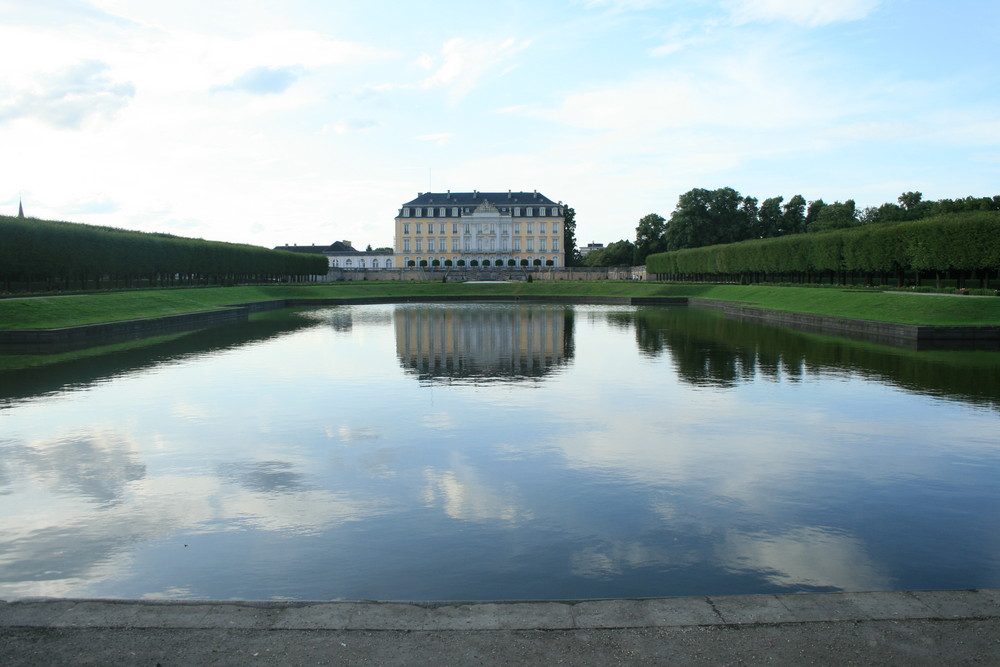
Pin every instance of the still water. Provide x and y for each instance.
(499, 451)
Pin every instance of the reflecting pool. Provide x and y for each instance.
(499, 451)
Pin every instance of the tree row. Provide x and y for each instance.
(64, 255)
(956, 245)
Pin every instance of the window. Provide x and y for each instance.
(468, 243)
(441, 227)
(529, 212)
(333, 262)
(541, 227)
(555, 243)
(529, 228)
(454, 228)
(388, 263)
(347, 263)
(441, 212)
(406, 228)
(406, 245)
(517, 227)
(517, 211)
(555, 227)
(466, 228)
(531, 244)
(454, 244)
(418, 228)
(419, 246)
(541, 245)
(406, 213)
(417, 212)
(454, 211)
(517, 245)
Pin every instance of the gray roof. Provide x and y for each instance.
(476, 198)
(337, 247)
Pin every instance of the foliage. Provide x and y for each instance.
(649, 237)
(619, 253)
(67, 254)
(572, 253)
(708, 217)
(964, 242)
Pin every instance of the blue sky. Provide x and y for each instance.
(312, 121)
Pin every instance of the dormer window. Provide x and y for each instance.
(406, 213)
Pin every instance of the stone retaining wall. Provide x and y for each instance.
(88, 335)
(888, 333)
(900, 335)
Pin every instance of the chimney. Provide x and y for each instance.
(347, 243)
(508, 194)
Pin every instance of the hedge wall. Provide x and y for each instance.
(67, 255)
(958, 245)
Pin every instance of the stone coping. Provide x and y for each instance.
(734, 610)
(900, 335)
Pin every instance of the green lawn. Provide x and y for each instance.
(52, 312)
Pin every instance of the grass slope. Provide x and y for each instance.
(52, 312)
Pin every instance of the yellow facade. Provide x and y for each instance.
(477, 229)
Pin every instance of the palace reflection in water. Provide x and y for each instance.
(544, 451)
(441, 342)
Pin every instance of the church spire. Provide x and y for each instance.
(20, 209)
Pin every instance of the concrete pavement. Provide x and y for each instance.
(879, 628)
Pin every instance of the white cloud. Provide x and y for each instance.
(462, 63)
(69, 97)
(440, 138)
(809, 13)
(806, 556)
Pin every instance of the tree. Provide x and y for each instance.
(619, 253)
(649, 237)
(751, 215)
(770, 222)
(909, 200)
(572, 254)
(708, 217)
(812, 213)
(793, 220)
(369, 248)
(835, 216)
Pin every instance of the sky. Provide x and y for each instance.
(311, 121)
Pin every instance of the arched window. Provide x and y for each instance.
(347, 262)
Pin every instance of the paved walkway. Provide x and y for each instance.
(882, 628)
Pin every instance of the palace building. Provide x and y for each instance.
(479, 229)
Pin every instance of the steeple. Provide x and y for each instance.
(20, 209)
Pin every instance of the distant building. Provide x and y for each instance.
(479, 228)
(20, 209)
(341, 254)
(591, 247)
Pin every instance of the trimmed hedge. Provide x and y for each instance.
(66, 254)
(949, 243)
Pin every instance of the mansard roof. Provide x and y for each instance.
(476, 198)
